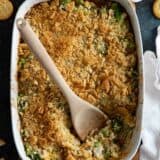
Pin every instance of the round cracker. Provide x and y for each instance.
(156, 8)
(6, 9)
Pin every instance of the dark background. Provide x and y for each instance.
(148, 27)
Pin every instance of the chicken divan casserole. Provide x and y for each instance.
(94, 48)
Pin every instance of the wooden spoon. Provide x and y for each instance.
(85, 117)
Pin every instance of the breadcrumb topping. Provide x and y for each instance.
(94, 48)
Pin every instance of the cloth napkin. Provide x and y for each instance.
(150, 149)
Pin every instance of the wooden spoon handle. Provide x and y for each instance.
(40, 52)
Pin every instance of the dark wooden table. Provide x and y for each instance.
(148, 27)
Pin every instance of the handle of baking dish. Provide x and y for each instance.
(41, 54)
(133, 5)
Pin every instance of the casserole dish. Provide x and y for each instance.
(131, 149)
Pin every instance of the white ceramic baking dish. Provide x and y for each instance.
(133, 146)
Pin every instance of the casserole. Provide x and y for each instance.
(15, 119)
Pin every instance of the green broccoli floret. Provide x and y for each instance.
(79, 2)
(117, 124)
(63, 3)
(31, 153)
(117, 11)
